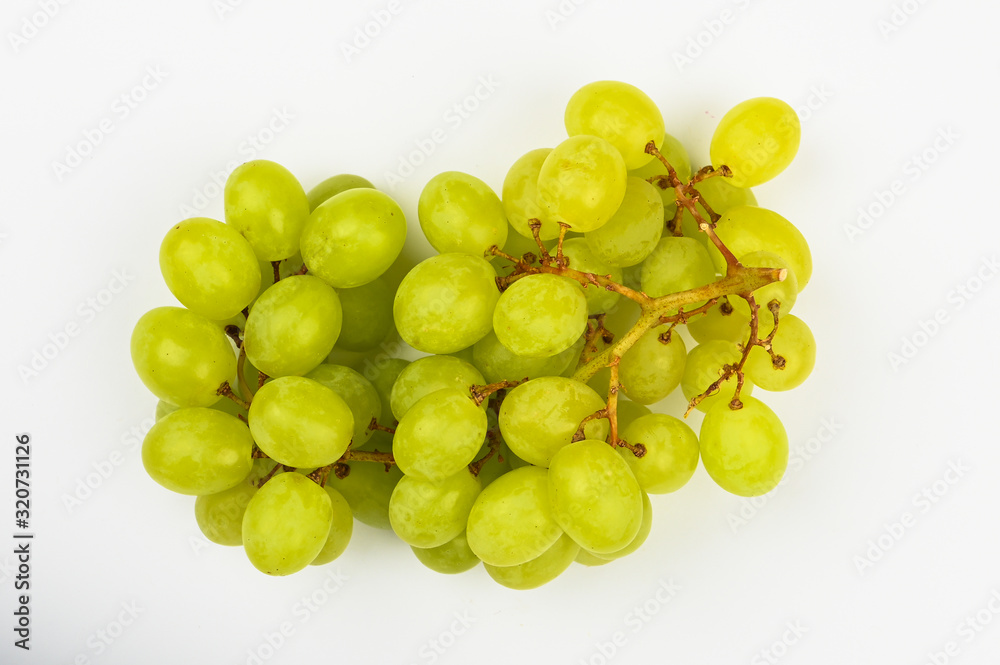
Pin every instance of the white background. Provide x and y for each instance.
(868, 438)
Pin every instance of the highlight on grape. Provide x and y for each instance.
(551, 321)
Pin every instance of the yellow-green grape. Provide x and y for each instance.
(731, 327)
(795, 343)
(747, 229)
(587, 559)
(181, 357)
(286, 524)
(368, 488)
(757, 139)
(582, 258)
(267, 206)
(430, 374)
(650, 370)
(438, 435)
(594, 496)
(635, 228)
(620, 113)
(671, 452)
(704, 367)
(333, 186)
(540, 570)
(511, 521)
(520, 199)
(356, 391)
(582, 183)
(677, 264)
(383, 372)
(629, 412)
(293, 326)
(367, 315)
(198, 451)
(445, 303)
(224, 405)
(429, 514)
(299, 422)
(540, 417)
(452, 558)
(498, 363)
(785, 292)
(720, 194)
(341, 529)
(460, 213)
(220, 515)
(745, 451)
(675, 153)
(644, 528)
(353, 238)
(540, 315)
(209, 267)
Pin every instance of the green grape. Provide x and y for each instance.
(520, 199)
(629, 412)
(267, 206)
(572, 355)
(511, 521)
(368, 488)
(720, 194)
(704, 367)
(293, 326)
(353, 237)
(514, 461)
(731, 327)
(438, 435)
(587, 559)
(335, 185)
(540, 417)
(594, 496)
(464, 355)
(620, 113)
(341, 529)
(746, 229)
(357, 392)
(674, 152)
(445, 303)
(430, 513)
(671, 452)
(544, 568)
(744, 451)
(785, 292)
(209, 267)
(623, 316)
(430, 374)
(300, 422)
(540, 315)
(497, 465)
(367, 315)
(650, 370)
(223, 405)
(635, 228)
(677, 264)
(460, 213)
(795, 343)
(181, 357)
(452, 558)
(220, 515)
(197, 451)
(582, 183)
(757, 139)
(644, 528)
(582, 258)
(286, 524)
(498, 363)
(383, 374)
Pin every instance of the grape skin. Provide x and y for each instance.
(744, 451)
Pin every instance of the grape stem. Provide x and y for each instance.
(373, 426)
(481, 393)
(368, 456)
(276, 266)
(320, 475)
(494, 440)
(227, 391)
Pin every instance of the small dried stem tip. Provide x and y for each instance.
(373, 426)
(494, 442)
(320, 475)
(235, 334)
(596, 415)
(276, 266)
(368, 456)
(480, 393)
(227, 391)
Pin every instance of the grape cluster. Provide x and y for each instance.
(551, 318)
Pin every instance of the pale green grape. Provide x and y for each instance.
(720, 194)
(731, 327)
(540, 417)
(675, 153)
(757, 139)
(353, 238)
(677, 264)
(181, 357)
(341, 528)
(367, 315)
(267, 206)
(286, 524)
(429, 514)
(225, 405)
(511, 521)
(671, 452)
(197, 451)
(438, 435)
(356, 391)
(520, 199)
(452, 558)
(594, 496)
(582, 183)
(572, 355)
(383, 373)
(498, 363)
(293, 326)
(785, 292)
(368, 488)
(544, 568)
(445, 303)
(744, 451)
(299, 422)
(704, 367)
(629, 412)
(540, 315)
(644, 528)
(333, 186)
(220, 515)
(430, 374)
(587, 559)
(460, 213)
(635, 228)
(209, 267)
(620, 113)
(795, 343)
(582, 258)
(650, 370)
(746, 229)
